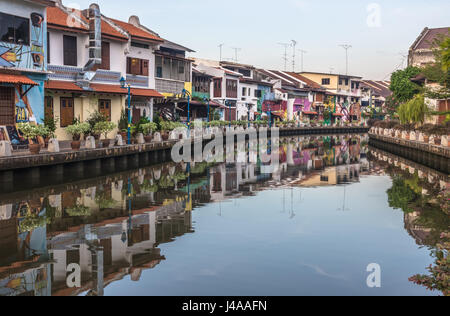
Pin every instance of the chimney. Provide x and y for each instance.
(95, 37)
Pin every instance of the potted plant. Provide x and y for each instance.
(51, 124)
(123, 125)
(104, 128)
(31, 132)
(77, 130)
(93, 119)
(147, 130)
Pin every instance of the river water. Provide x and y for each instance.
(312, 226)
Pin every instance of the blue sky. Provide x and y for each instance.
(319, 27)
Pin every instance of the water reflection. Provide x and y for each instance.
(114, 226)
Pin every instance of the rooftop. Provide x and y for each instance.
(428, 36)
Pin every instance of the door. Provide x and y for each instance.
(48, 108)
(104, 107)
(67, 112)
(106, 56)
(136, 115)
(7, 115)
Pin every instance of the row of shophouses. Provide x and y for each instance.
(63, 63)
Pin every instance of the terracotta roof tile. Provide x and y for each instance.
(427, 38)
(137, 32)
(16, 79)
(62, 85)
(57, 16)
(146, 93)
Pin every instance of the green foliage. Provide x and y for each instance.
(78, 129)
(148, 128)
(413, 111)
(51, 124)
(32, 131)
(123, 121)
(401, 195)
(33, 221)
(93, 119)
(402, 87)
(104, 128)
(78, 211)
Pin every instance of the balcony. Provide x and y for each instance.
(70, 73)
(169, 86)
(138, 81)
(201, 95)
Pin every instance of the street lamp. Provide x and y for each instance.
(187, 94)
(124, 85)
(204, 100)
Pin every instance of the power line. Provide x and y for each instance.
(236, 50)
(346, 47)
(294, 44)
(285, 56)
(302, 52)
(220, 47)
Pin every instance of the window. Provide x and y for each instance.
(231, 88)
(138, 67)
(104, 107)
(67, 112)
(7, 108)
(70, 50)
(326, 81)
(139, 45)
(49, 113)
(244, 91)
(106, 56)
(14, 29)
(217, 88)
(258, 93)
(346, 82)
(341, 82)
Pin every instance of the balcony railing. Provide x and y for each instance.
(169, 86)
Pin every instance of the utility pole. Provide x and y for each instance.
(285, 58)
(220, 47)
(346, 47)
(236, 50)
(294, 44)
(302, 52)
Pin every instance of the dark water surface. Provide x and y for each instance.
(311, 227)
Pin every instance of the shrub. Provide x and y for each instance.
(148, 128)
(104, 128)
(32, 131)
(77, 130)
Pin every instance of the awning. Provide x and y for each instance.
(17, 79)
(108, 88)
(62, 85)
(309, 113)
(146, 93)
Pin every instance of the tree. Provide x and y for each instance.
(402, 87)
(414, 111)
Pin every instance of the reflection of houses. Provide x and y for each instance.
(23, 67)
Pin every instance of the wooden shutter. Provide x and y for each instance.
(104, 107)
(106, 56)
(145, 67)
(70, 50)
(7, 108)
(48, 108)
(67, 112)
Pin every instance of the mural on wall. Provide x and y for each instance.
(25, 56)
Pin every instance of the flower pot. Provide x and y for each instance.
(124, 137)
(46, 140)
(105, 143)
(437, 141)
(426, 138)
(148, 138)
(165, 136)
(34, 148)
(76, 145)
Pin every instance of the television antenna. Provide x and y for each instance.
(285, 56)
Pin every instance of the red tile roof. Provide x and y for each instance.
(309, 82)
(137, 32)
(146, 93)
(108, 88)
(17, 79)
(428, 36)
(62, 85)
(57, 17)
